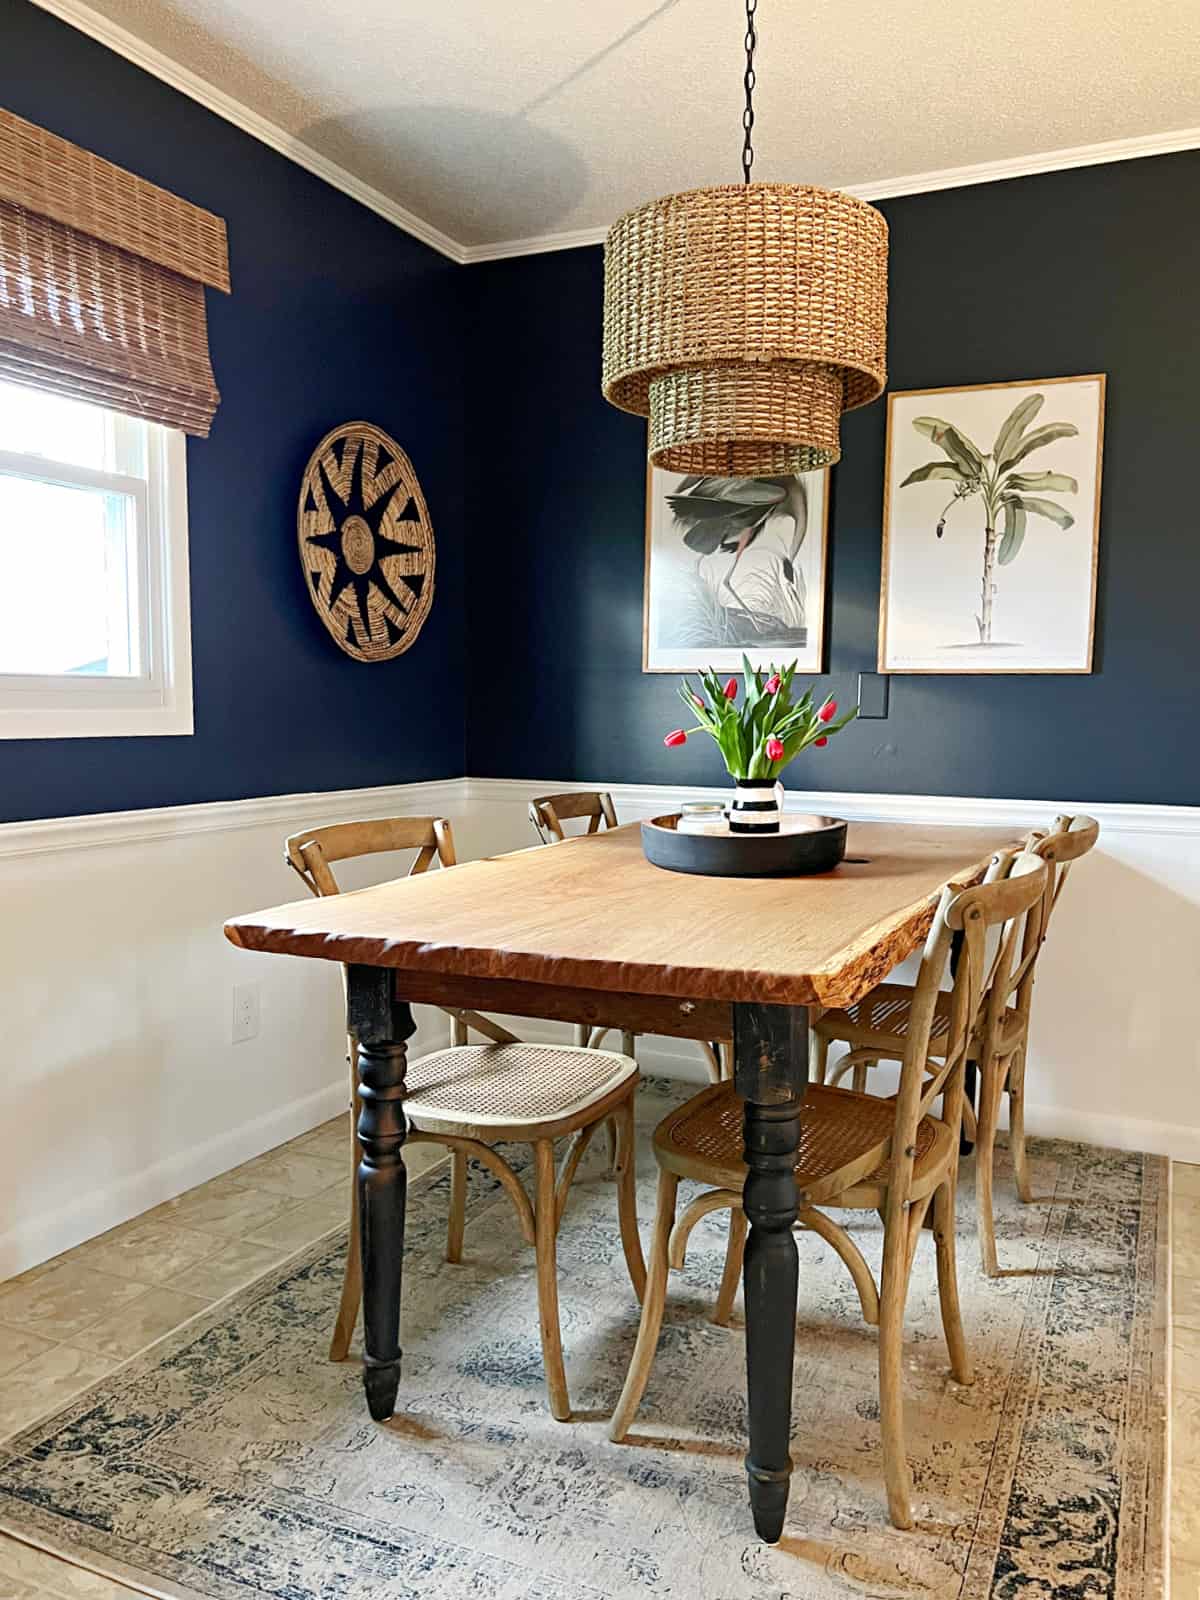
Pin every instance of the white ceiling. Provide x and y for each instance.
(499, 120)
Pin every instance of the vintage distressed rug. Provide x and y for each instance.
(232, 1460)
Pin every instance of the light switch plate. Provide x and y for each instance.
(873, 694)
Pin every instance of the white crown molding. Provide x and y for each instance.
(1084, 155)
(213, 99)
(1080, 155)
(539, 245)
(161, 66)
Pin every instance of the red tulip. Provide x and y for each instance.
(774, 749)
(675, 738)
(731, 689)
(697, 702)
(772, 684)
(828, 711)
(821, 740)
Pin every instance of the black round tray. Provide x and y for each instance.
(802, 846)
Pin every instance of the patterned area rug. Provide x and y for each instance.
(232, 1460)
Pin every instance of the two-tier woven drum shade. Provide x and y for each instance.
(743, 320)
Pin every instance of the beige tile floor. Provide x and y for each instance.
(72, 1320)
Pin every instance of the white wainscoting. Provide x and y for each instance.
(1116, 1054)
(121, 1086)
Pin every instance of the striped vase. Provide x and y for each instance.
(755, 807)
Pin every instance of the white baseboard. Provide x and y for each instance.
(37, 1238)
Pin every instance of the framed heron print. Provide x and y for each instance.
(991, 526)
(734, 566)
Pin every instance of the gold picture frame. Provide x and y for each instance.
(809, 577)
(1047, 611)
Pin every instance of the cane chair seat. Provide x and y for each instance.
(880, 1020)
(853, 1150)
(499, 1085)
(472, 1098)
(841, 1132)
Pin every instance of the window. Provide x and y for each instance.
(94, 634)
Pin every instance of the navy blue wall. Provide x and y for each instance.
(1092, 270)
(335, 314)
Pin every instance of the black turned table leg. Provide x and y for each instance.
(381, 1025)
(770, 1073)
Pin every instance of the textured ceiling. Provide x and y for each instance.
(507, 119)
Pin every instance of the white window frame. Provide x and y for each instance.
(159, 699)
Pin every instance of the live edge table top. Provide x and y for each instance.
(592, 913)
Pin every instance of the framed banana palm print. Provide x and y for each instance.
(734, 566)
(991, 527)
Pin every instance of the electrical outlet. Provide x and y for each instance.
(245, 1011)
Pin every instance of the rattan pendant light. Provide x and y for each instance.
(743, 320)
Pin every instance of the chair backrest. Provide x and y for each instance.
(1066, 841)
(1011, 893)
(550, 811)
(311, 853)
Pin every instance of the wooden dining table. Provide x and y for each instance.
(588, 931)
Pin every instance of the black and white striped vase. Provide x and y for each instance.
(755, 807)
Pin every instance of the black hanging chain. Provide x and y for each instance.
(748, 113)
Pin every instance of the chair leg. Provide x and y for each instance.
(1016, 1126)
(458, 1205)
(625, 1163)
(652, 1311)
(735, 1249)
(545, 1213)
(611, 1139)
(818, 1055)
(351, 1300)
(947, 1276)
(859, 1081)
(891, 1373)
(985, 1155)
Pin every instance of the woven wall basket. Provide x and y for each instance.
(366, 543)
(743, 320)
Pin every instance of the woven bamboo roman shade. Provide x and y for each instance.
(102, 279)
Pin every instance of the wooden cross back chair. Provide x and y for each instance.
(1004, 1046)
(471, 1097)
(876, 1026)
(857, 1151)
(547, 813)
